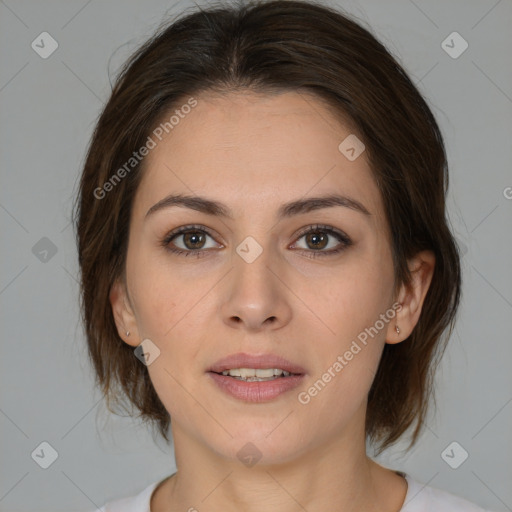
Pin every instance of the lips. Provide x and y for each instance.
(242, 360)
(256, 392)
(259, 391)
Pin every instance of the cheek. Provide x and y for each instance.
(157, 310)
(163, 297)
(348, 298)
(169, 308)
(348, 304)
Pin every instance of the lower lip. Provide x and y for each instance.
(258, 391)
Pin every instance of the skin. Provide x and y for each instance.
(254, 153)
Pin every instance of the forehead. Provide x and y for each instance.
(249, 150)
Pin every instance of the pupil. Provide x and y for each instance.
(316, 238)
(194, 238)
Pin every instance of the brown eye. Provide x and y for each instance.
(317, 241)
(193, 240)
(318, 237)
(188, 240)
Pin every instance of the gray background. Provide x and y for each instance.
(48, 109)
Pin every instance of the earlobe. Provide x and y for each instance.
(123, 314)
(412, 297)
(395, 332)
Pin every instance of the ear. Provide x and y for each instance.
(411, 298)
(124, 316)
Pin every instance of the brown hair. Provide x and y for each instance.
(270, 47)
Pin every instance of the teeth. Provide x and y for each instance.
(256, 374)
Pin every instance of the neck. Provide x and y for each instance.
(335, 475)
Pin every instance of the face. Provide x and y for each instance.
(301, 284)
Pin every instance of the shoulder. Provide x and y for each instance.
(423, 498)
(419, 498)
(136, 503)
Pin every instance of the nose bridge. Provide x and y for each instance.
(252, 261)
(256, 294)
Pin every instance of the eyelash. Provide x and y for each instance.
(339, 235)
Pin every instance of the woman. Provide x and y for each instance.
(266, 262)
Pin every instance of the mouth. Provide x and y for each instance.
(250, 363)
(256, 374)
(255, 378)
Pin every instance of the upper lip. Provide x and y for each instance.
(242, 360)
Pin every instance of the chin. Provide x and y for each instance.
(261, 444)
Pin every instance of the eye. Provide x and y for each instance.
(190, 240)
(319, 237)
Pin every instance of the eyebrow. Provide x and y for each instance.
(297, 207)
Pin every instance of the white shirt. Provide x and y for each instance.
(419, 498)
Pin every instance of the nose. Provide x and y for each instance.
(257, 294)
